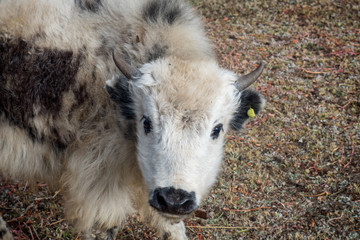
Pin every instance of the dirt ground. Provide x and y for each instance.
(294, 171)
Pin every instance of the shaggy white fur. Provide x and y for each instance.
(96, 149)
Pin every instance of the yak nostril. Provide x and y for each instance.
(174, 201)
(188, 203)
(161, 200)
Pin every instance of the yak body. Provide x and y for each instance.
(142, 140)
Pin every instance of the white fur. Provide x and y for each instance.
(179, 152)
(104, 175)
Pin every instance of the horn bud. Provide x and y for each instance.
(245, 81)
(126, 69)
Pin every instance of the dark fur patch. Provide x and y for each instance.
(162, 10)
(56, 140)
(89, 5)
(157, 51)
(121, 95)
(111, 233)
(249, 98)
(32, 76)
(81, 94)
(2, 233)
(166, 236)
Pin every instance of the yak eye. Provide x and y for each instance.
(216, 131)
(147, 124)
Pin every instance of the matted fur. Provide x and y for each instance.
(83, 142)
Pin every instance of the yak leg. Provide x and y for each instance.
(4, 231)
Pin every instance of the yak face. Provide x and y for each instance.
(181, 111)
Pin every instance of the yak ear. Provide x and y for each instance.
(251, 103)
(119, 91)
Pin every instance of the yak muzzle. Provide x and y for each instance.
(173, 201)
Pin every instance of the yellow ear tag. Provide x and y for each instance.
(251, 113)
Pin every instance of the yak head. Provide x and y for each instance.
(179, 112)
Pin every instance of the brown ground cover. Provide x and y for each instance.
(294, 171)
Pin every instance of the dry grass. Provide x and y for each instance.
(294, 172)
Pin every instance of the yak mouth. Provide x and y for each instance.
(174, 219)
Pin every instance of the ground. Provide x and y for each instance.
(294, 171)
